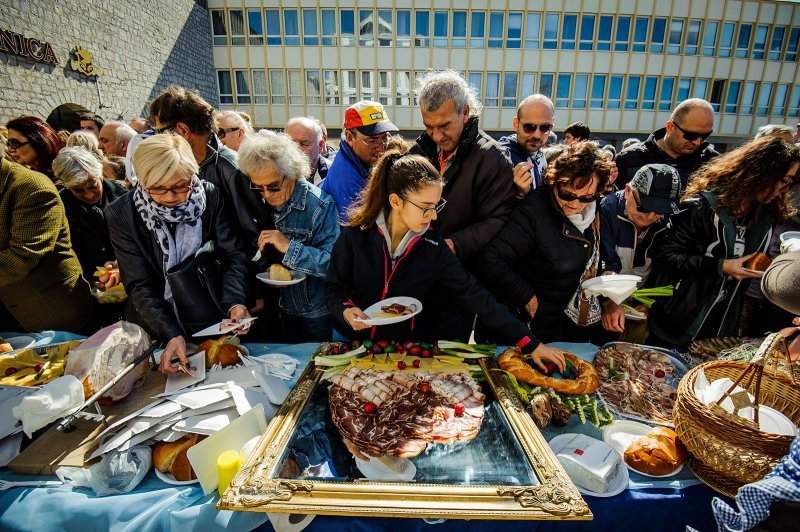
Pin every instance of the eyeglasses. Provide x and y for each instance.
(222, 131)
(428, 210)
(692, 136)
(638, 202)
(530, 129)
(569, 196)
(15, 144)
(374, 143)
(177, 190)
(264, 189)
(165, 129)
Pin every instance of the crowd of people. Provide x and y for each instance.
(495, 237)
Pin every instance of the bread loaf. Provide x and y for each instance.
(170, 457)
(758, 262)
(658, 453)
(223, 351)
(279, 273)
(511, 360)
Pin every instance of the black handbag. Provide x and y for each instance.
(196, 285)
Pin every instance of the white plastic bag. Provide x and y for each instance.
(116, 473)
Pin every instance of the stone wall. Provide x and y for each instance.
(140, 46)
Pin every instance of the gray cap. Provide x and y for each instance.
(659, 187)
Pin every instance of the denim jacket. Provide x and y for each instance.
(310, 221)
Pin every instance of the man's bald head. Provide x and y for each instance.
(692, 105)
(691, 122)
(535, 99)
(533, 113)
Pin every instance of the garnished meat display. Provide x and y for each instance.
(393, 413)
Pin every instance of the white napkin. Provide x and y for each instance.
(55, 399)
(617, 292)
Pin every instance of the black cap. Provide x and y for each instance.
(659, 187)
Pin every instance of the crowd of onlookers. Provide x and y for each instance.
(190, 207)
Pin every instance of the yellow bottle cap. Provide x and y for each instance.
(228, 464)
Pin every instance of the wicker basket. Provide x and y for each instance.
(727, 451)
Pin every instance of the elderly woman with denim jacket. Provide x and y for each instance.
(306, 227)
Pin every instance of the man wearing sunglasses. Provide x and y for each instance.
(630, 222)
(680, 144)
(365, 133)
(533, 123)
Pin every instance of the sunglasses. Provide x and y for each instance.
(530, 129)
(639, 207)
(569, 196)
(15, 144)
(222, 131)
(268, 188)
(692, 136)
(428, 210)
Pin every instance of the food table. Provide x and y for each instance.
(669, 504)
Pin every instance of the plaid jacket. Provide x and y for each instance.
(41, 283)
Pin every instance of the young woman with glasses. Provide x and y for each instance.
(388, 249)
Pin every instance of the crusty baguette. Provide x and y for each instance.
(170, 457)
(511, 360)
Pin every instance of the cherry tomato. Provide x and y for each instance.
(426, 353)
(38, 367)
(414, 350)
(459, 409)
(10, 371)
(369, 408)
(416, 363)
(335, 350)
(401, 365)
(425, 387)
(660, 374)
(383, 343)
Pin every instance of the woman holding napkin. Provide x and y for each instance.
(161, 227)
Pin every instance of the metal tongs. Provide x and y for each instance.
(65, 425)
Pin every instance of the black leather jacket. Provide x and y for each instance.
(141, 262)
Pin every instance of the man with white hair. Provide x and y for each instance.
(307, 134)
(231, 129)
(784, 133)
(114, 138)
(139, 125)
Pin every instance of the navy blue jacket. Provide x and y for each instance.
(346, 178)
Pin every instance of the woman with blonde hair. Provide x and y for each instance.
(160, 229)
(85, 139)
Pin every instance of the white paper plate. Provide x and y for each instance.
(620, 482)
(296, 278)
(634, 317)
(623, 433)
(20, 342)
(760, 272)
(376, 471)
(218, 330)
(169, 479)
(372, 309)
(608, 280)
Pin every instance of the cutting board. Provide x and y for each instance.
(54, 449)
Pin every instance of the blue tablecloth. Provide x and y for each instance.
(154, 505)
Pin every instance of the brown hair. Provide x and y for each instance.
(393, 173)
(736, 176)
(177, 104)
(576, 166)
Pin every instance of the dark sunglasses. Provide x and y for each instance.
(222, 131)
(530, 129)
(639, 204)
(15, 144)
(569, 196)
(692, 136)
(268, 188)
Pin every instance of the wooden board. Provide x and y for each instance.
(54, 449)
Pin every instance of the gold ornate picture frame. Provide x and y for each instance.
(259, 488)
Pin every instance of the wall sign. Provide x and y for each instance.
(31, 47)
(81, 61)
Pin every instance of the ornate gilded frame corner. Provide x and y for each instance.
(257, 488)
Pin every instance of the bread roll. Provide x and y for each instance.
(223, 351)
(279, 273)
(758, 262)
(170, 457)
(658, 453)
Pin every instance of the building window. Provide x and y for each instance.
(700, 88)
(551, 31)
(760, 42)
(475, 79)
(510, 89)
(403, 87)
(347, 27)
(291, 29)
(748, 97)
(514, 31)
(794, 102)
(632, 94)
(459, 29)
(623, 34)
(294, 79)
(665, 96)
(528, 85)
(495, 31)
(225, 86)
(366, 27)
(692, 38)
(331, 78)
(422, 28)
(640, 34)
(569, 31)
(385, 88)
(614, 92)
(418, 75)
(218, 29)
(587, 33)
(277, 87)
(657, 37)
(273, 17)
(598, 91)
(477, 29)
(237, 27)
(310, 29)
(492, 89)
(732, 102)
(779, 103)
(546, 84)
(367, 84)
(776, 45)
(242, 86)
(579, 93)
(743, 42)
(313, 88)
(255, 27)
(385, 28)
(532, 30)
(349, 87)
(726, 41)
(649, 94)
(440, 29)
(604, 32)
(791, 47)
(684, 87)
(675, 36)
(328, 27)
(563, 90)
(259, 86)
(710, 38)
(764, 96)
(717, 90)
(403, 28)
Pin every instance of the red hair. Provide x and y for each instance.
(43, 138)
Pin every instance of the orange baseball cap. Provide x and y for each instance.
(369, 118)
